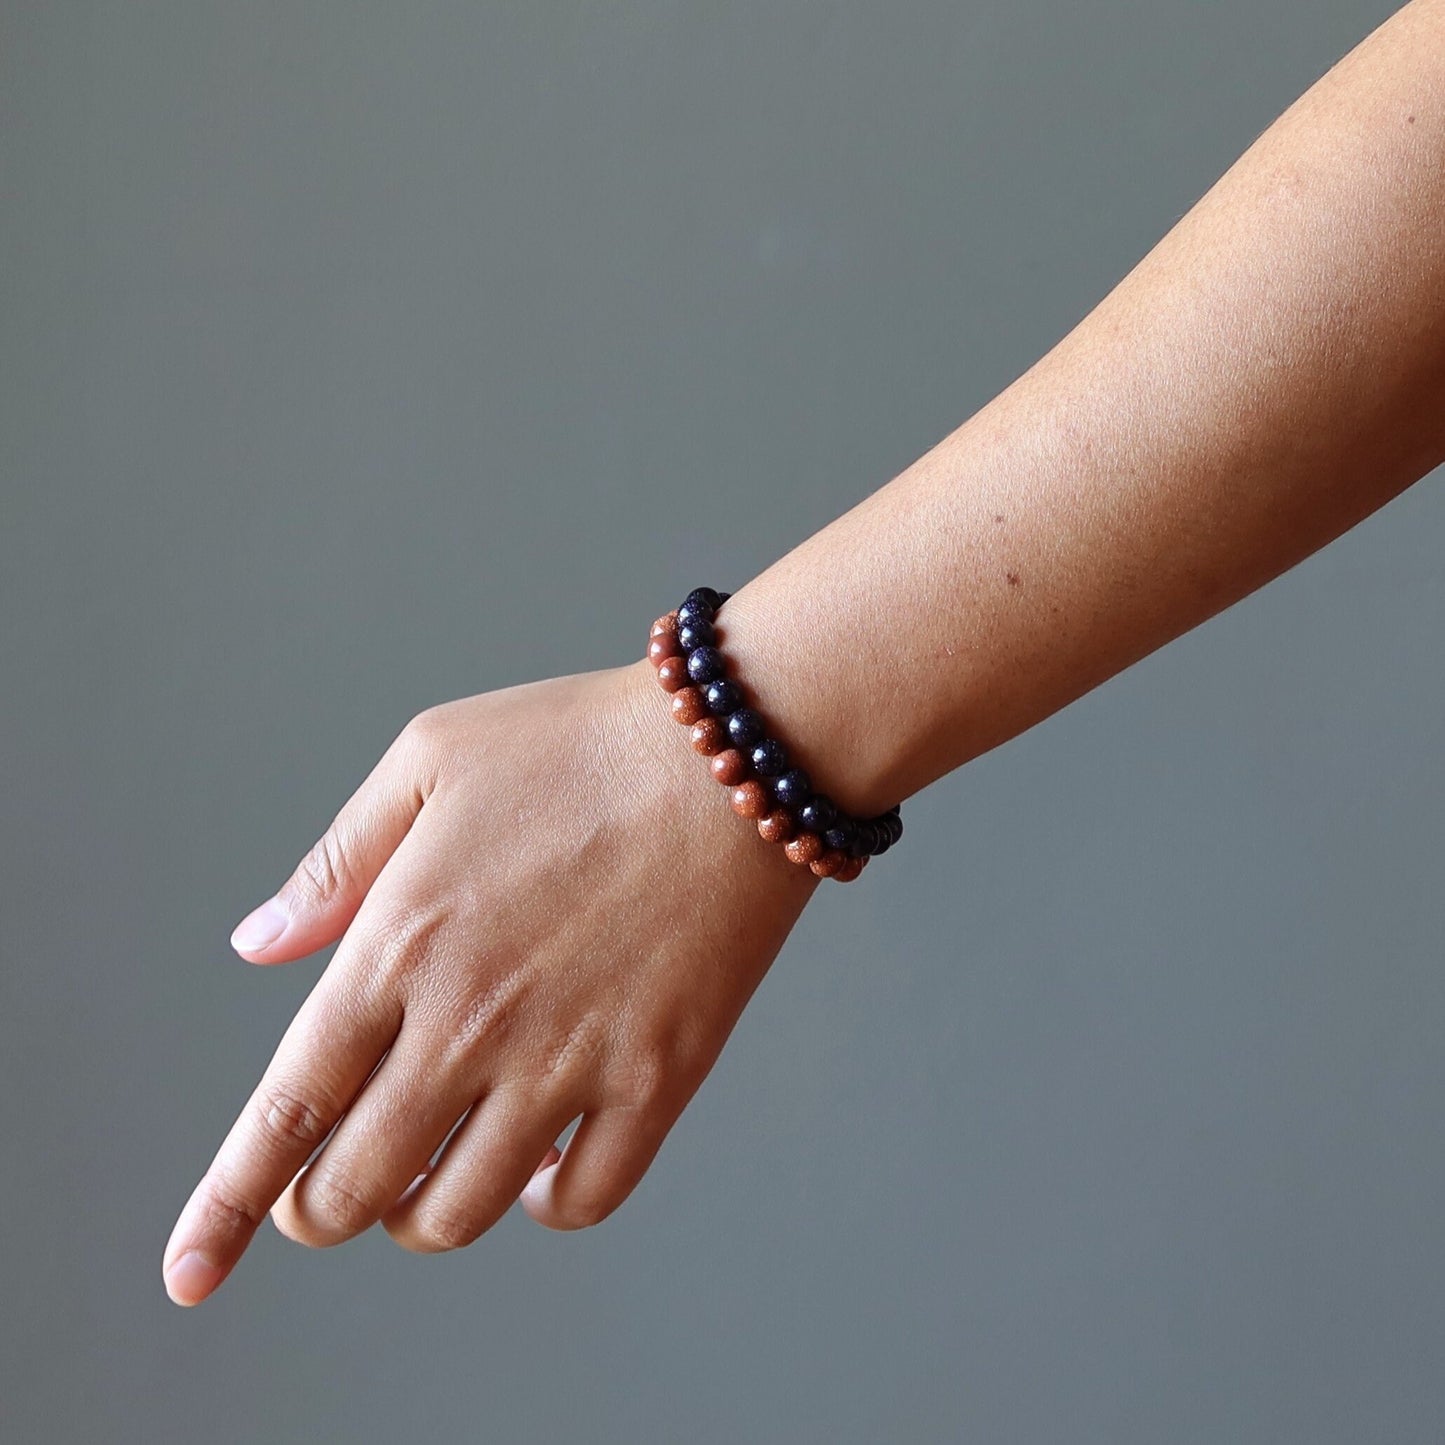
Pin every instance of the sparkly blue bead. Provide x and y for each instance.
(706, 664)
(841, 835)
(769, 758)
(695, 634)
(792, 787)
(722, 697)
(818, 814)
(700, 605)
(704, 597)
(745, 727)
(894, 824)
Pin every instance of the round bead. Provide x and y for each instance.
(672, 673)
(691, 611)
(706, 664)
(863, 836)
(721, 598)
(849, 871)
(776, 827)
(804, 848)
(709, 736)
(827, 865)
(704, 598)
(894, 824)
(695, 634)
(745, 727)
(750, 799)
(723, 696)
(688, 706)
(662, 647)
(818, 813)
(841, 835)
(729, 767)
(665, 626)
(792, 787)
(769, 758)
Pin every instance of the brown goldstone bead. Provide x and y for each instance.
(665, 626)
(804, 848)
(659, 649)
(850, 870)
(730, 767)
(673, 673)
(688, 706)
(709, 737)
(829, 863)
(750, 799)
(776, 827)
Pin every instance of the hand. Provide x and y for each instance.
(548, 911)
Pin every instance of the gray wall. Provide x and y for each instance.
(359, 357)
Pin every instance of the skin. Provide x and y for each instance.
(1269, 375)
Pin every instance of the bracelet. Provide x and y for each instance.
(814, 831)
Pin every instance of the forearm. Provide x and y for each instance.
(1271, 373)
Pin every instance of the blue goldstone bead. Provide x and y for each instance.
(745, 727)
(792, 787)
(894, 824)
(704, 597)
(841, 835)
(695, 634)
(700, 605)
(706, 664)
(818, 814)
(769, 758)
(722, 697)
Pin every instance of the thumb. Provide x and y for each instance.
(316, 904)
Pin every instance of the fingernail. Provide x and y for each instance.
(261, 928)
(191, 1278)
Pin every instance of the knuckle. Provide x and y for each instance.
(325, 872)
(576, 1052)
(288, 1120)
(483, 1019)
(585, 1210)
(405, 941)
(427, 730)
(336, 1203)
(649, 1074)
(227, 1210)
(440, 1231)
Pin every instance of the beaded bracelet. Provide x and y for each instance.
(814, 831)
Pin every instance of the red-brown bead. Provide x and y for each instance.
(665, 626)
(659, 649)
(829, 863)
(730, 767)
(688, 706)
(804, 848)
(849, 871)
(672, 674)
(709, 737)
(777, 826)
(750, 799)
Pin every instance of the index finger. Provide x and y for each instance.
(325, 1056)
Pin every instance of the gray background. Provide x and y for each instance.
(358, 357)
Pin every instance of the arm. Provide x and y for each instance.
(1270, 374)
(545, 910)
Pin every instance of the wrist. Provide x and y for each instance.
(814, 683)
